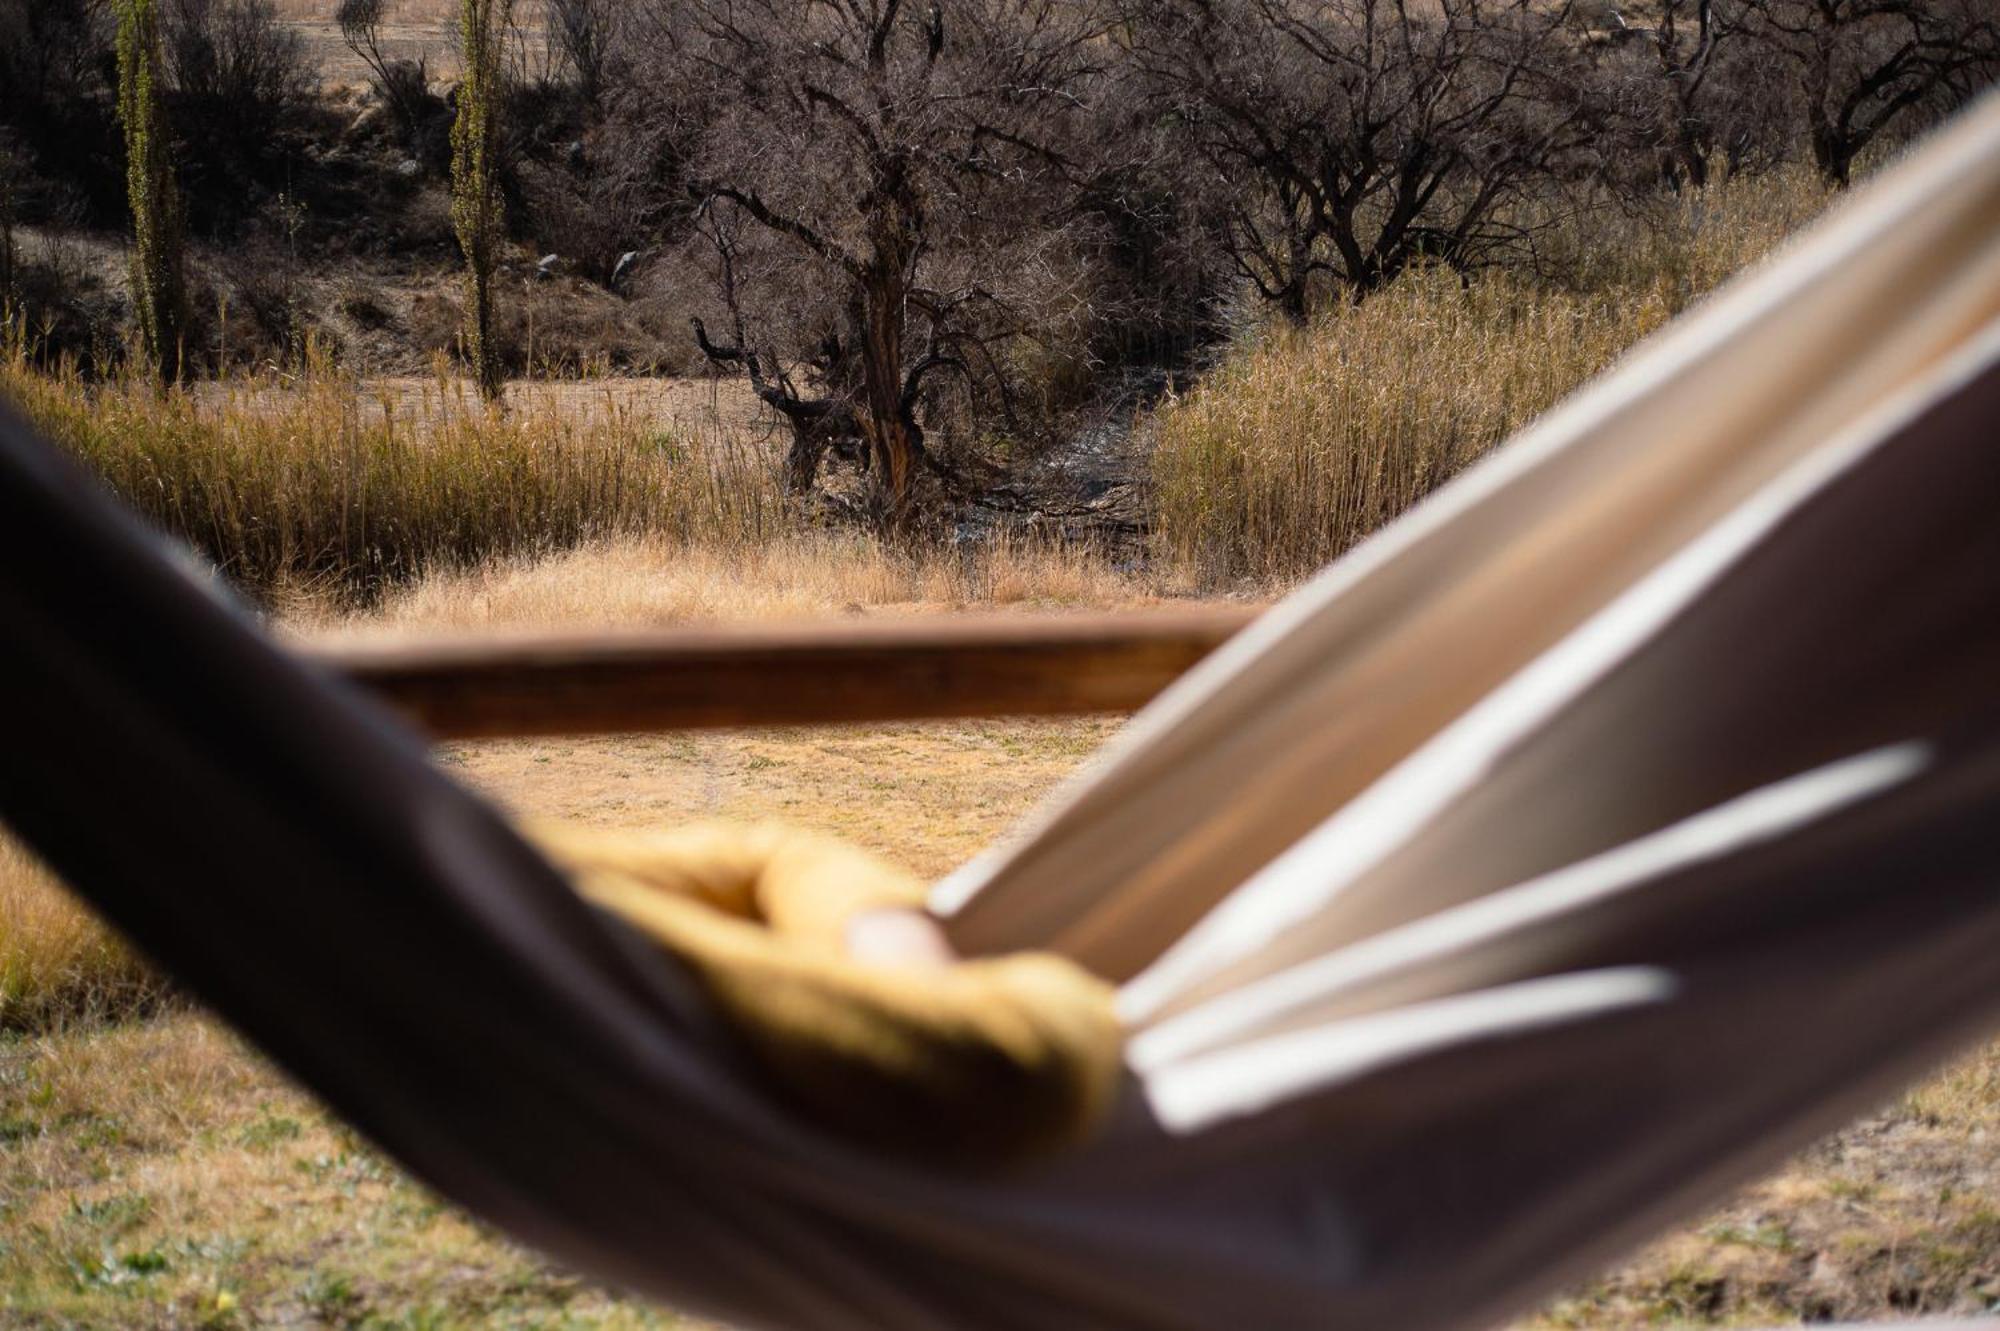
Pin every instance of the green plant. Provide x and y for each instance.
(475, 190)
(9, 255)
(332, 1297)
(269, 1130)
(159, 284)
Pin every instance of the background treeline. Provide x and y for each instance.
(946, 240)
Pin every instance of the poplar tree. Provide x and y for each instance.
(7, 253)
(159, 291)
(475, 191)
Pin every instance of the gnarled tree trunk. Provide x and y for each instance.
(887, 419)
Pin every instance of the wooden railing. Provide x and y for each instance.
(872, 671)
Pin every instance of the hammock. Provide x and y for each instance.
(1582, 845)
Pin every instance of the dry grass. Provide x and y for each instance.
(411, 30)
(58, 963)
(160, 1176)
(607, 503)
(1304, 442)
(316, 487)
(157, 1174)
(640, 582)
(1898, 1216)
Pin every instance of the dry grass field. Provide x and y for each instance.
(322, 487)
(713, 407)
(1303, 442)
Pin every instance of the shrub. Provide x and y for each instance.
(403, 86)
(324, 488)
(1305, 441)
(57, 961)
(236, 61)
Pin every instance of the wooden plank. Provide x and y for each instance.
(873, 671)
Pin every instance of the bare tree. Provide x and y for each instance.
(403, 85)
(1665, 77)
(1351, 138)
(908, 158)
(237, 59)
(821, 422)
(585, 36)
(52, 56)
(1864, 68)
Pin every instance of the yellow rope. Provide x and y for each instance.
(973, 1064)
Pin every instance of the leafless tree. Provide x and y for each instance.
(403, 85)
(235, 57)
(1864, 69)
(54, 60)
(585, 34)
(1352, 138)
(908, 159)
(1667, 77)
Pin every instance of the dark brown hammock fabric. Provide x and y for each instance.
(1684, 850)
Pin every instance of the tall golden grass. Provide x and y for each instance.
(1304, 442)
(57, 961)
(318, 486)
(649, 582)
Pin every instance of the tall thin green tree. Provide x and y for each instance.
(7, 252)
(159, 285)
(475, 187)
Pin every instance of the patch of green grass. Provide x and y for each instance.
(269, 1130)
(114, 1214)
(109, 1269)
(332, 1296)
(1688, 1294)
(1761, 1234)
